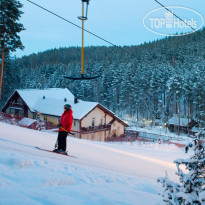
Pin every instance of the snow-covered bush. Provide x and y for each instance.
(13, 121)
(191, 190)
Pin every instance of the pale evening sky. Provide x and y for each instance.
(118, 21)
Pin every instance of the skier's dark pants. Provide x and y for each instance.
(62, 135)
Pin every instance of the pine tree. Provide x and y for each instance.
(9, 28)
(9, 76)
(148, 86)
(199, 91)
(40, 123)
(191, 190)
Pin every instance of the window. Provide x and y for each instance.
(114, 133)
(74, 123)
(19, 101)
(21, 113)
(101, 121)
(93, 122)
(34, 115)
(118, 131)
(11, 111)
(18, 112)
(45, 119)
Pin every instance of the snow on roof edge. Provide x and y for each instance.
(8, 99)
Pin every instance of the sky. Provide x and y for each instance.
(102, 173)
(120, 22)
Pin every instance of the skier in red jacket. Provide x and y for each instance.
(64, 128)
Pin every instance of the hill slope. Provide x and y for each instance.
(102, 173)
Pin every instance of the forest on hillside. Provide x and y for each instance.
(158, 80)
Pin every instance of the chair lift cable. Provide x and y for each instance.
(133, 55)
(177, 17)
(97, 36)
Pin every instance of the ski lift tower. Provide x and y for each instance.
(83, 18)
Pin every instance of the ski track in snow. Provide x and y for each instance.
(149, 159)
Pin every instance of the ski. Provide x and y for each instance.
(54, 152)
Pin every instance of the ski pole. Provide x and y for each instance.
(52, 121)
(56, 144)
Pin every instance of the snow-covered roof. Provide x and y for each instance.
(195, 129)
(51, 102)
(26, 121)
(53, 106)
(175, 121)
(31, 96)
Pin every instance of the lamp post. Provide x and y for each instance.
(160, 129)
(166, 127)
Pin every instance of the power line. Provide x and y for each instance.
(81, 28)
(133, 55)
(177, 17)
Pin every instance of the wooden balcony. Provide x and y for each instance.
(95, 128)
(16, 105)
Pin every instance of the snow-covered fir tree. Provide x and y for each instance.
(165, 77)
(40, 123)
(191, 189)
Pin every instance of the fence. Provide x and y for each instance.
(132, 135)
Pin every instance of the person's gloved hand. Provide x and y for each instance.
(59, 125)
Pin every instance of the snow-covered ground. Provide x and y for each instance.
(101, 174)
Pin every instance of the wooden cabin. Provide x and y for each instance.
(92, 120)
(183, 124)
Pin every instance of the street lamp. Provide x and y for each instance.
(166, 127)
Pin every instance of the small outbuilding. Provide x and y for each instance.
(181, 124)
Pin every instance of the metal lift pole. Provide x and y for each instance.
(83, 18)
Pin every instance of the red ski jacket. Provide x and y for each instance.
(66, 120)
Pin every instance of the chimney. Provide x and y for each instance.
(75, 100)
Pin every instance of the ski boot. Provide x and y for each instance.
(60, 151)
